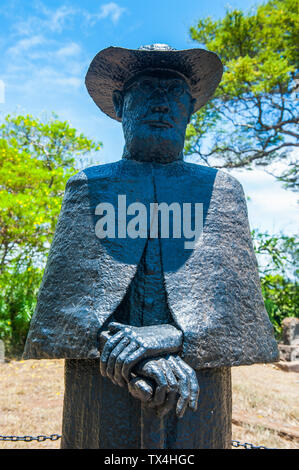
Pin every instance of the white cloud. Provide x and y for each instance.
(40, 62)
(28, 50)
(45, 20)
(67, 82)
(57, 19)
(108, 10)
(69, 50)
(26, 44)
(39, 58)
(271, 207)
(111, 9)
(50, 78)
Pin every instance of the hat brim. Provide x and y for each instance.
(111, 68)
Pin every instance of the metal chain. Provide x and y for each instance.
(55, 437)
(41, 438)
(247, 445)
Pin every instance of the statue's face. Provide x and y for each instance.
(155, 110)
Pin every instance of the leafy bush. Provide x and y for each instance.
(19, 288)
(281, 298)
(278, 257)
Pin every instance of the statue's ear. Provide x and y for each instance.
(118, 101)
(191, 111)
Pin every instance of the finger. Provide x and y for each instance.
(141, 389)
(194, 386)
(184, 397)
(110, 344)
(120, 361)
(113, 356)
(115, 326)
(161, 389)
(170, 377)
(184, 387)
(169, 404)
(131, 361)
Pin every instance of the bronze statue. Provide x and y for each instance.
(146, 313)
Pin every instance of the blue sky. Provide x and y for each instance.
(46, 47)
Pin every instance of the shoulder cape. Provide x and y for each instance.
(213, 290)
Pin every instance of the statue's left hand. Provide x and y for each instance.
(131, 344)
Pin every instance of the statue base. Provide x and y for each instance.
(100, 415)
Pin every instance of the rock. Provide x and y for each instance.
(288, 352)
(288, 366)
(289, 348)
(290, 331)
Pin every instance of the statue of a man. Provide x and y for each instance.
(146, 304)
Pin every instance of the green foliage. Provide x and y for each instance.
(19, 288)
(36, 160)
(253, 116)
(281, 297)
(278, 257)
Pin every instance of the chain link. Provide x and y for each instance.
(41, 438)
(55, 437)
(247, 445)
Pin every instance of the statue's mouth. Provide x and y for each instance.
(157, 123)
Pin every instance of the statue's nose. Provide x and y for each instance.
(159, 103)
(160, 108)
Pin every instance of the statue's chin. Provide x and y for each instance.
(160, 152)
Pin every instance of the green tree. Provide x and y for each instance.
(252, 119)
(278, 257)
(36, 160)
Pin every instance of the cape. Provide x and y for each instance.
(213, 290)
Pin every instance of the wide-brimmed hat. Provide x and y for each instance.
(111, 68)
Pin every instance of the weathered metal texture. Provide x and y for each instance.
(100, 415)
(213, 290)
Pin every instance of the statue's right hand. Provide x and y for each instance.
(174, 383)
(157, 372)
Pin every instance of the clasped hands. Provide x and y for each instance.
(145, 360)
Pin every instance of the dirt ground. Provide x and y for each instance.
(265, 404)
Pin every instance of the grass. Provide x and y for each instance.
(31, 400)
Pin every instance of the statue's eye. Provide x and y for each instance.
(176, 89)
(147, 85)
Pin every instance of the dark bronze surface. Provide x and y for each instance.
(143, 322)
